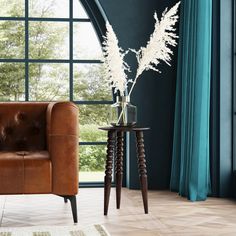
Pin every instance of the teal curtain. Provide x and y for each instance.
(190, 174)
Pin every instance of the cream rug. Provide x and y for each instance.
(93, 230)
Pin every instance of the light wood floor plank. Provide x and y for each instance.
(169, 214)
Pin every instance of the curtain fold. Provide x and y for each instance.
(190, 174)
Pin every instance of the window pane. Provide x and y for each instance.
(49, 8)
(48, 82)
(12, 82)
(78, 10)
(13, 8)
(90, 83)
(12, 39)
(92, 163)
(86, 43)
(48, 40)
(91, 117)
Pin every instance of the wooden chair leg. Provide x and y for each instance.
(73, 206)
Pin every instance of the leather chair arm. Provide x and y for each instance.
(62, 144)
(62, 118)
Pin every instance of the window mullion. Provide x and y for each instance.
(71, 85)
(27, 50)
(13, 18)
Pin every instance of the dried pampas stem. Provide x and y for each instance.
(157, 49)
(114, 61)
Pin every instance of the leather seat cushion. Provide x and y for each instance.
(11, 173)
(38, 172)
(25, 172)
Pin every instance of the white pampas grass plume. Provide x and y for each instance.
(114, 61)
(157, 48)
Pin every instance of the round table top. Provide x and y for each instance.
(124, 128)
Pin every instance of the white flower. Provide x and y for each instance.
(157, 48)
(114, 61)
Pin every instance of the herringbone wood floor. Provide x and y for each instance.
(168, 215)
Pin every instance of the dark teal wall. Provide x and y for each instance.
(154, 93)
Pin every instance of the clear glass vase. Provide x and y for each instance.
(123, 113)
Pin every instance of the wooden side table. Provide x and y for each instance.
(115, 148)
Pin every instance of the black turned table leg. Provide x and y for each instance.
(119, 166)
(142, 168)
(108, 171)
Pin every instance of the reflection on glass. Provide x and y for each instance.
(12, 8)
(86, 43)
(92, 163)
(91, 83)
(91, 117)
(49, 8)
(12, 81)
(78, 10)
(48, 40)
(12, 39)
(48, 82)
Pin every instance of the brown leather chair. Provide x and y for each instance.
(38, 149)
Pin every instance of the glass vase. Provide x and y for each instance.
(123, 113)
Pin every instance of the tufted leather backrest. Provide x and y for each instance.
(23, 126)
